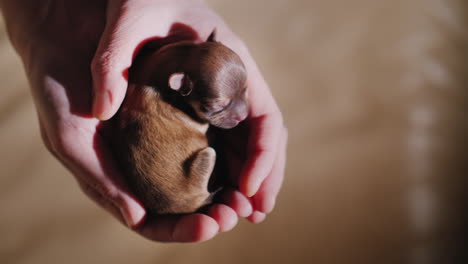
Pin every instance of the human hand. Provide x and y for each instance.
(262, 159)
(57, 49)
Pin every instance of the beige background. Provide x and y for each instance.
(374, 93)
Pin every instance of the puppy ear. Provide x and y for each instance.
(180, 82)
(212, 37)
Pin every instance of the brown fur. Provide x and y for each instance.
(160, 132)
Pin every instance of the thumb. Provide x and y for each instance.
(110, 64)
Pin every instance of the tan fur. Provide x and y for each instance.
(159, 132)
(156, 139)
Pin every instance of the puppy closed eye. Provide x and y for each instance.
(219, 108)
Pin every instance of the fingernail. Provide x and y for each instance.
(268, 204)
(251, 190)
(133, 219)
(257, 217)
(246, 211)
(102, 102)
(128, 219)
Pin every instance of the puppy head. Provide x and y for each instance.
(214, 84)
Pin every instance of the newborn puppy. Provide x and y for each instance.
(160, 130)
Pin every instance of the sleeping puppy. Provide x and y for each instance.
(160, 131)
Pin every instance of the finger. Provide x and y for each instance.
(187, 228)
(112, 59)
(108, 68)
(124, 32)
(100, 200)
(238, 202)
(256, 217)
(265, 198)
(263, 143)
(90, 161)
(265, 124)
(224, 215)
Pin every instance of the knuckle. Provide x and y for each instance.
(47, 142)
(61, 147)
(58, 148)
(111, 192)
(108, 191)
(100, 192)
(90, 192)
(95, 64)
(63, 142)
(96, 196)
(102, 62)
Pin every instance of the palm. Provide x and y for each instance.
(58, 69)
(60, 76)
(76, 35)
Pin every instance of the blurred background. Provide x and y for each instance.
(375, 96)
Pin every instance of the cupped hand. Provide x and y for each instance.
(76, 57)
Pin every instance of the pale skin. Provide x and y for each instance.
(76, 54)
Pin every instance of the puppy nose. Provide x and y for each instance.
(241, 117)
